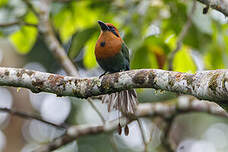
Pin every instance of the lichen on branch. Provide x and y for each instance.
(209, 85)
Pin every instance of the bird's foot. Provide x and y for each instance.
(103, 74)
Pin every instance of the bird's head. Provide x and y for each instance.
(108, 27)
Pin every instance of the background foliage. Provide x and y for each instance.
(150, 28)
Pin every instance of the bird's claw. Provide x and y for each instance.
(103, 74)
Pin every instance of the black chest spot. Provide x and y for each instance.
(102, 44)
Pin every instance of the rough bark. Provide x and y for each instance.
(208, 85)
(144, 110)
(219, 5)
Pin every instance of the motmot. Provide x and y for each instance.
(112, 55)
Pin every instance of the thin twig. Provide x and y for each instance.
(184, 31)
(142, 134)
(30, 6)
(97, 111)
(113, 143)
(166, 131)
(52, 42)
(29, 116)
(74, 132)
(17, 23)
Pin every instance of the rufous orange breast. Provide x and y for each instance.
(108, 45)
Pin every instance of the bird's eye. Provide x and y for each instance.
(112, 29)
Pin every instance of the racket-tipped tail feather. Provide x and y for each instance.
(124, 101)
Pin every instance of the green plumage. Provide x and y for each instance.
(117, 63)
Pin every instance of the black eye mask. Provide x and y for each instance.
(112, 29)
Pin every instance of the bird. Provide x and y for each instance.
(112, 55)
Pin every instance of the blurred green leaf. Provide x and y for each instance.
(67, 21)
(225, 36)
(214, 57)
(95, 143)
(79, 41)
(31, 18)
(137, 62)
(89, 58)
(183, 61)
(157, 42)
(71, 147)
(3, 2)
(195, 38)
(177, 19)
(170, 39)
(24, 39)
(153, 52)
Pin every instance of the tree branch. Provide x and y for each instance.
(209, 85)
(144, 110)
(29, 116)
(96, 110)
(219, 5)
(17, 23)
(52, 42)
(143, 135)
(77, 131)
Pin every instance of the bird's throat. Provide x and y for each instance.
(108, 45)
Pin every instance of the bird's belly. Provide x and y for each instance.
(114, 64)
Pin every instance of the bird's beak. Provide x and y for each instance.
(103, 26)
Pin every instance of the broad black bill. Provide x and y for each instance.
(103, 26)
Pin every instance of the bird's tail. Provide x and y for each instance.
(124, 101)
